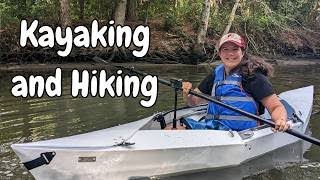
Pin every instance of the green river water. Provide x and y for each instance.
(33, 119)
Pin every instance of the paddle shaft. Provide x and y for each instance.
(209, 98)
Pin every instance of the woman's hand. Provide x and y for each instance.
(277, 111)
(281, 125)
(186, 86)
(189, 99)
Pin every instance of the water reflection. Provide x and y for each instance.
(279, 159)
(32, 119)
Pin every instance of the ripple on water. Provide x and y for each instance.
(311, 165)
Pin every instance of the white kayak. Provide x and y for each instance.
(141, 148)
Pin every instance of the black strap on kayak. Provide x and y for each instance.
(160, 118)
(45, 158)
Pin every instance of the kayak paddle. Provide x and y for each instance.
(174, 84)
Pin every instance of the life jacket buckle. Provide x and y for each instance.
(218, 98)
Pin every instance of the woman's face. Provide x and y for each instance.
(231, 55)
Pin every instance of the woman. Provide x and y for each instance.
(241, 82)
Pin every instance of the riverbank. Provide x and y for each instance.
(174, 46)
(284, 61)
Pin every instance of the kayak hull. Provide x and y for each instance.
(149, 152)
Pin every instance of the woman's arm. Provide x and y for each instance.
(277, 111)
(189, 99)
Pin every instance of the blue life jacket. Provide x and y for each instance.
(229, 90)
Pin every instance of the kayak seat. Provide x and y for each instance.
(190, 123)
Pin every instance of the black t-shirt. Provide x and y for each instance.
(258, 86)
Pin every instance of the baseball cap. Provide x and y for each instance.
(232, 37)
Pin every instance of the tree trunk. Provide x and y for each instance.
(314, 15)
(132, 10)
(146, 5)
(81, 8)
(119, 54)
(198, 52)
(201, 35)
(231, 18)
(120, 12)
(65, 13)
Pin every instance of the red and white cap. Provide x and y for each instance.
(232, 37)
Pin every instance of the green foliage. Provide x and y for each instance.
(97, 9)
(7, 14)
(259, 19)
(189, 10)
(173, 13)
(12, 11)
(170, 21)
(45, 11)
(215, 26)
(153, 9)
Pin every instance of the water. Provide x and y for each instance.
(33, 119)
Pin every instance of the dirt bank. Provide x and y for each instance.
(285, 61)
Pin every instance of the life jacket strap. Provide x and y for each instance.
(228, 117)
(224, 82)
(45, 158)
(234, 98)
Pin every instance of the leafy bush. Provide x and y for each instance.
(7, 14)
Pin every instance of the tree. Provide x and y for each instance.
(216, 7)
(64, 13)
(231, 18)
(204, 22)
(132, 10)
(120, 12)
(202, 31)
(81, 8)
(314, 14)
(119, 54)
